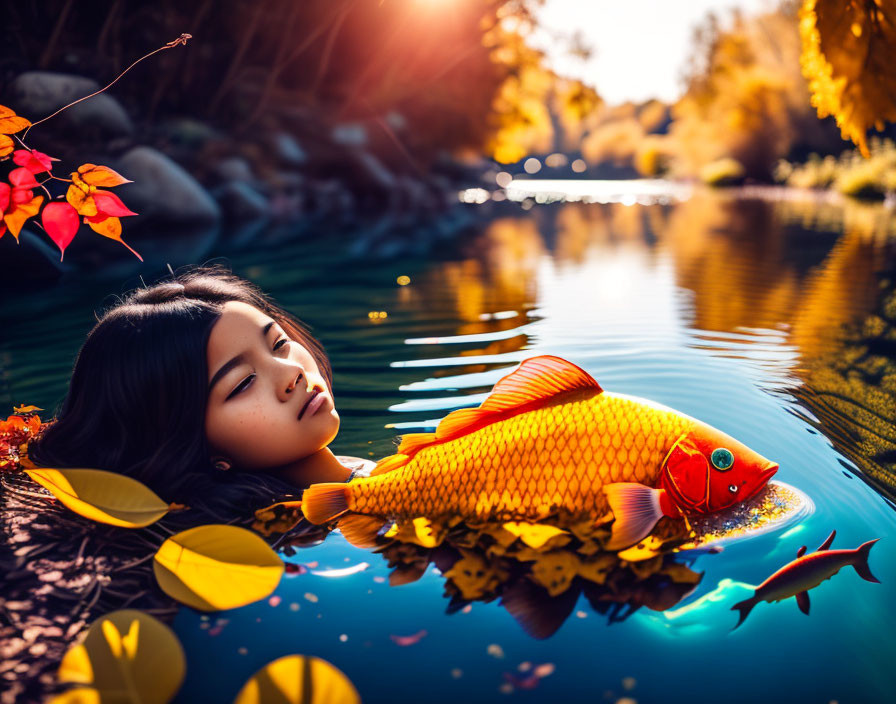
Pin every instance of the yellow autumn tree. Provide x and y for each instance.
(848, 50)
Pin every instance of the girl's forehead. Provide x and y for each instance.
(239, 316)
(238, 323)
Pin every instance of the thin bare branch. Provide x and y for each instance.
(181, 40)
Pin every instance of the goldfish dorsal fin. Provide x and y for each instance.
(536, 379)
(412, 442)
(801, 551)
(827, 543)
(387, 464)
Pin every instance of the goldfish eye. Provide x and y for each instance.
(722, 459)
(732, 488)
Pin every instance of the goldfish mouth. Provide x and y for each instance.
(762, 480)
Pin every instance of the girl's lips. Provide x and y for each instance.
(311, 407)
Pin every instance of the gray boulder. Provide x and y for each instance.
(38, 94)
(241, 203)
(162, 191)
(287, 150)
(234, 168)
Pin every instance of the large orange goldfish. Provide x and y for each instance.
(549, 443)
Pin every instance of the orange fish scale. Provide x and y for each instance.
(530, 465)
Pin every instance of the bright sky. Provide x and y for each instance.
(640, 46)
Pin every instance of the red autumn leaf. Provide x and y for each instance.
(103, 176)
(36, 162)
(22, 178)
(109, 204)
(61, 222)
(2, 229)
(21, 195)
(5, 190)
(16, 217)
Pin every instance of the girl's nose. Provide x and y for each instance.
(296, 375)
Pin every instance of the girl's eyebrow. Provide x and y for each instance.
(236, 361)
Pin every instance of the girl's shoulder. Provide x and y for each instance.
(359, 466)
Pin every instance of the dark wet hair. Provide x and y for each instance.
(137, 397)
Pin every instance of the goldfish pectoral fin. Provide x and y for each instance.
(326, 501)
(827, 543)
(801, 551)
(360, 530)
(802, 600)
(745, 607)
(636, 510)
(387, 464)
(861, 561)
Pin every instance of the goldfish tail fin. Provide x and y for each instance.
(636, 510)
(745, 607)
(324, 502)
(861, 561)
(360, 530)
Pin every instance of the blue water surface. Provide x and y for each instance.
(750, 315)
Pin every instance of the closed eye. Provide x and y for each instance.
(244, 384)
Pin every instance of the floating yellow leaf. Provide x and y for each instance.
(650, 547)
(536, 535)
(25, 409)
(298, 679)
(106, 497)
(216, 567)
(421, 531)
(78, 695)
(127, 656)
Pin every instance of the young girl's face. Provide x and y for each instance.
(268, 404)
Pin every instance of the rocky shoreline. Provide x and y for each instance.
(197, 188)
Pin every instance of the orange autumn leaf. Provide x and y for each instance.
(100, 176)
(111, 228)
(10, 123)
(107, 227)
(80, 199)
(7, 146)
(16, 218)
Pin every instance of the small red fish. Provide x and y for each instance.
(806, 572)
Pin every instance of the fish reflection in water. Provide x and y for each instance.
(538, 572)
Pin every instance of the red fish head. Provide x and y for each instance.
(708, 470)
